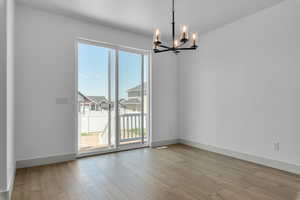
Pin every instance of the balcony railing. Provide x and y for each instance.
(131, 128)
(94, 128)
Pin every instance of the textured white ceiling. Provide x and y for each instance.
(143, 16)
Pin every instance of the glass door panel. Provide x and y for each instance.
(95, 97)
(130, 98)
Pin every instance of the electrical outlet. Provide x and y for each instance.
(61, 100)
(276, 146)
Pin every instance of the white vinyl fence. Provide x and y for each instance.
(97, 122)
(94, 121)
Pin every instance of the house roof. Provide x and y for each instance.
(97, 99)
(82, 97)
(137, 88)
(94, 99)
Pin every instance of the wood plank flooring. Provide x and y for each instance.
(177, 173)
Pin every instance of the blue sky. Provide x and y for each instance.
(93, 70)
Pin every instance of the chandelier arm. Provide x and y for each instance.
(159, 51)
(188, 48)
(163, 46)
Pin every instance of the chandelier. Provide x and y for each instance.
(177, 45)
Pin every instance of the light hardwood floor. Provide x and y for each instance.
(177, 173)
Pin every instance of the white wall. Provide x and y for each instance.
(3, 116)
(241, 89)
(11, 162)
(7, 154)
(165, 95)
(45, 70)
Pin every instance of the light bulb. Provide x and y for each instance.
(184, 33)
(157, 32)
(157, 36)
(176, 43)
(194, 37)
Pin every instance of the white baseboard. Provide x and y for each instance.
(12, 183)
(247, 157)
(45, 160)
(164, 143)
(6, 195)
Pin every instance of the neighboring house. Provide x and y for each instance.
(132, 103)
(134, 99)
(100, 103)
(136, 91)
(91, 103)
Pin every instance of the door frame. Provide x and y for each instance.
(117, 48)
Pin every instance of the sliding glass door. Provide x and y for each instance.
(113, 95)
(95, 96)
(133, 92)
